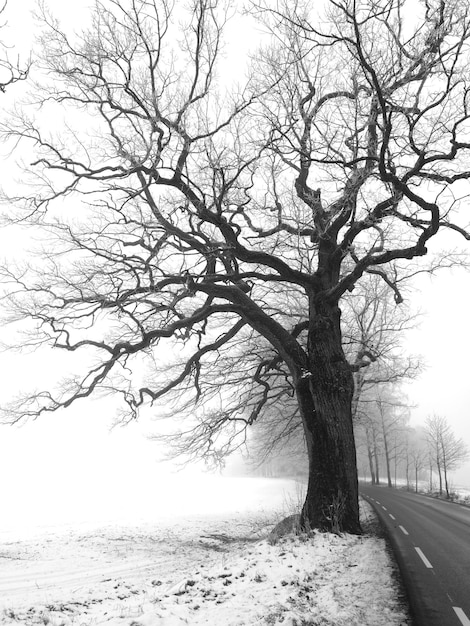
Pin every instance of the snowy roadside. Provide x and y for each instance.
(199, 571)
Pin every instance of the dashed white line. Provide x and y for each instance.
(461, 615)
(392, 516)
(384, 508)
(405, 532)
(423, 558)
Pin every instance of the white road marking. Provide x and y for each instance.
(461, 615)
(423, 558)
(392, 516)
(404, 531)
(384, 508)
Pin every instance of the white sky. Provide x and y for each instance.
(72, 465)
(443, 340)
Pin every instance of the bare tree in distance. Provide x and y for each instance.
(392, 416)
(373, 335)
(446, 452)
(181, 217)
(382, 429)
(417, 454)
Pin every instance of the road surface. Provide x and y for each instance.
(431, 539)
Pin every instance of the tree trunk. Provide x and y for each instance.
(387, 460)
(325, 397)
(370, 457)
(371, 466)
(407, 470)
(386, 446)
(444, 467)
(395, 468)
(439, 471)
(446, 482)
(376, 457)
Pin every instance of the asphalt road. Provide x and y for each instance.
(431, 540)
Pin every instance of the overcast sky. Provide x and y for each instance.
(72, 461)
(443, 340)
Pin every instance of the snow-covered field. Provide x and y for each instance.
(216, 569)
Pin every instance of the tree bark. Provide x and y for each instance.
(325, 399)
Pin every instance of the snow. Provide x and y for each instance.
(203, 569)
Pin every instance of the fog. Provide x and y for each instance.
(71, 469)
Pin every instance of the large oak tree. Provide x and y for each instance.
(178, 210)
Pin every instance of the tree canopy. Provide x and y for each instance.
(184, 213)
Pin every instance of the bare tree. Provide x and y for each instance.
(367, 437)
(384, 425)
(416, 454)
(434, 426)
(181, 215)
(446, 451)
(418, 458)
(373, 330)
